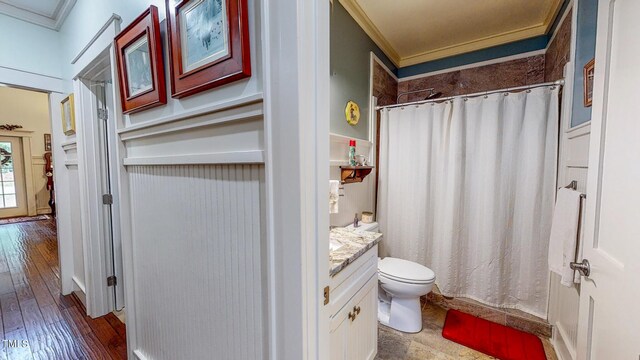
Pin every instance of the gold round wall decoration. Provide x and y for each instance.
(352, 112)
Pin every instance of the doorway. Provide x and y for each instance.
(13, 198)
(97, 148)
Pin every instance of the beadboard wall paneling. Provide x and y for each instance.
(198, 246)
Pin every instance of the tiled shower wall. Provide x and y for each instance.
(519, 72)
(385, 86)
(559, 51)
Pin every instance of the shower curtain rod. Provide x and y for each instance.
(526, 87)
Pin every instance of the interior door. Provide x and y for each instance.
(609, 318)
(13, 195)
(104, 106)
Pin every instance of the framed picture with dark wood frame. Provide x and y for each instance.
(588, 82)
(140, 63)
(208, 44)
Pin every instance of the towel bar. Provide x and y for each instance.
(583, 269)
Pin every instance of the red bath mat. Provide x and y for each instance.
(492, 339)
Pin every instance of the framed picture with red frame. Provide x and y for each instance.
(208, 44)
(140, 63)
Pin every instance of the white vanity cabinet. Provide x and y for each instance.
(354, 308)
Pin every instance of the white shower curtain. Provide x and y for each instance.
(467, 188)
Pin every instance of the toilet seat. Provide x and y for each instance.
(405, 271)
(402, 282)
(383, 276)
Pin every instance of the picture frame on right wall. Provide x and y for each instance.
(588, 73)
(208, 44)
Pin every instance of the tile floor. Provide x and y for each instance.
(429, 343)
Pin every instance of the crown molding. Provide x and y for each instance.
(356, 12)
(359, 15)
(474, 45)
(553, 14)
(475, 65)
(53, 22)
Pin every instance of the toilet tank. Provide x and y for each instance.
(373, 227)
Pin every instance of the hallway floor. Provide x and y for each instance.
(429, 343)
(45, 323)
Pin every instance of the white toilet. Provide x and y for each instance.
(402, 283)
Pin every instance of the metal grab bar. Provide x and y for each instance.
(582, 267)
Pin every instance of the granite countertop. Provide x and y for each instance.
(351, 246)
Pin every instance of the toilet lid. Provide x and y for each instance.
(404, 270)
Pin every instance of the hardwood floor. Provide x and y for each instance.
(38, 322)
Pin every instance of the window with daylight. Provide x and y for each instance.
(7, 179)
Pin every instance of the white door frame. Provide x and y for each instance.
(57, 89)
(96, 239)
(93, 60)
(295, 47)
(25, 139)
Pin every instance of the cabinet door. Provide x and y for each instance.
(362, 337)
(338, 336)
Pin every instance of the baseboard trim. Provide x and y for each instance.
(558, 340)
(79, 284)
(43, 211)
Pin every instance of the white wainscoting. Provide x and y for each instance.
(72, 177)
(76, 231)
(563, 301)
(40, 185)
(198, 275)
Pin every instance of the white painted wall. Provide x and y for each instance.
(86, 19)
(358, 197)
(36, 49)
(30, 109)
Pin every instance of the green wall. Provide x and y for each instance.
(350, 48)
